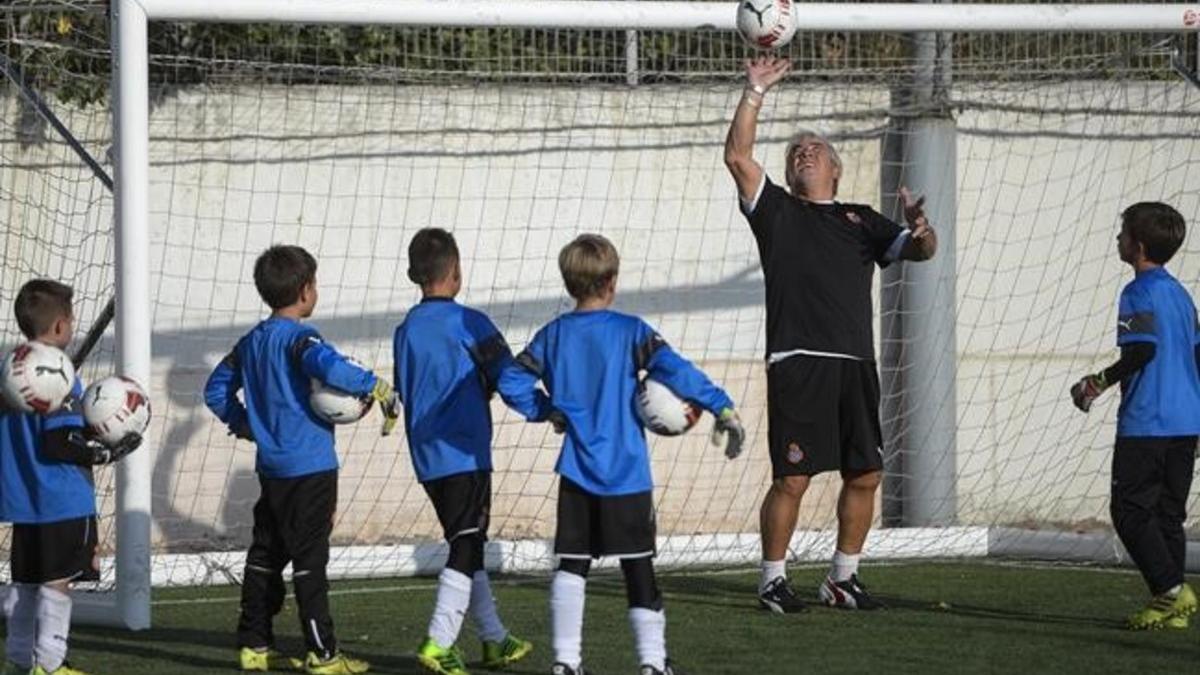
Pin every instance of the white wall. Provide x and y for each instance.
(515, 172)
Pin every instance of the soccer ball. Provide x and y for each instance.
(662, 411)
(37, 378)
(114, 407)
(766, 24)
(336, 406)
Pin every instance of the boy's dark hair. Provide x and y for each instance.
(587, 264)
(281, 272)
(432, 254)
(40, 303)
(1157, 227)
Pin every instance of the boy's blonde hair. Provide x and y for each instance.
(587, 264)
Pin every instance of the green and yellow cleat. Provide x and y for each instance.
(1169, 611)
(506, 652)
(338, 664)
(264, 660)
(441, 660)
(64, 669)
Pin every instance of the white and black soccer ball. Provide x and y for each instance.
(661, 411)
(336, 406)
(114, 407)
(766, 24)
(37, 378)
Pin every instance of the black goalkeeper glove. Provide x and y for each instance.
(1087, 390)
(558, 421)
(729, 427)
(241, 430)
(100, 453)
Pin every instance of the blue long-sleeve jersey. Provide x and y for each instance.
(448, 359)
(273, 366)
(33, 488)
(589, 363)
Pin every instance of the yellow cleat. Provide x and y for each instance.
(506, 652)
(339, 664)
(440, 660)
(64, 669)
(263, 660)
(1176, 622)
(1170, 611)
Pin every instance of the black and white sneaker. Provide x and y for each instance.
(564, 669)
(779, 597)
(849, 594)
(668, 669)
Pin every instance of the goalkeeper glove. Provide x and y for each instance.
(103, 454)
(389, 404)
(557, 420)
(241, 430)
(1088, 390)
(728, 424)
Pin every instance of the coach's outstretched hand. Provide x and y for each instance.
(764, 72)
(729, 425)
(1087, 390)
(389, 404)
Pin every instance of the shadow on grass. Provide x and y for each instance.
(158, 645)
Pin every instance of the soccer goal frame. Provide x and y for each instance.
(129, 604)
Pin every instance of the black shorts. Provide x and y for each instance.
(823, 415)
(463, 502)
(65, 549)
(592, 526)
(293, 520)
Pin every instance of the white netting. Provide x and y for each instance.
(519, 140)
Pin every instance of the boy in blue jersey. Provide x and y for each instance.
(1159, 418)
(297, 465)
(47, 493)
(448, 359)
(588, 361)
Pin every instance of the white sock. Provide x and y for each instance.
(21, 608)
(483, 609)
(566, 617)
(844, 565)
(650, 636)
(54, 625)
(771, 570)
(453, 598)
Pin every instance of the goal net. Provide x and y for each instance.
(348, 139)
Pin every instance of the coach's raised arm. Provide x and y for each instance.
(818, 257)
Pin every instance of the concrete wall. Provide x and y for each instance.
(515, 172)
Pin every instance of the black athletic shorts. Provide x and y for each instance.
(463, 502)
(823, 415)
(592, 526)
(65, 549)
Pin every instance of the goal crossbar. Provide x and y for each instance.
(684, 15)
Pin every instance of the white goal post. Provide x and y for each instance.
(129, 604)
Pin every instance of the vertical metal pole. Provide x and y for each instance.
(919, 349)
(631, 56)
(131, 124)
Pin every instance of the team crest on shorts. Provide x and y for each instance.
(795, 453)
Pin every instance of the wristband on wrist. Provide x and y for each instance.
(756, 88)
(750, 101)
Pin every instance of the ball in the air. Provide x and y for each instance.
(662, 411)
(766, 24)
(37, 378)
(336, 406)
(114, 407)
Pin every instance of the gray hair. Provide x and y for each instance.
(802, 138)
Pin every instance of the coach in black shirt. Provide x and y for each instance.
(818, 257)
